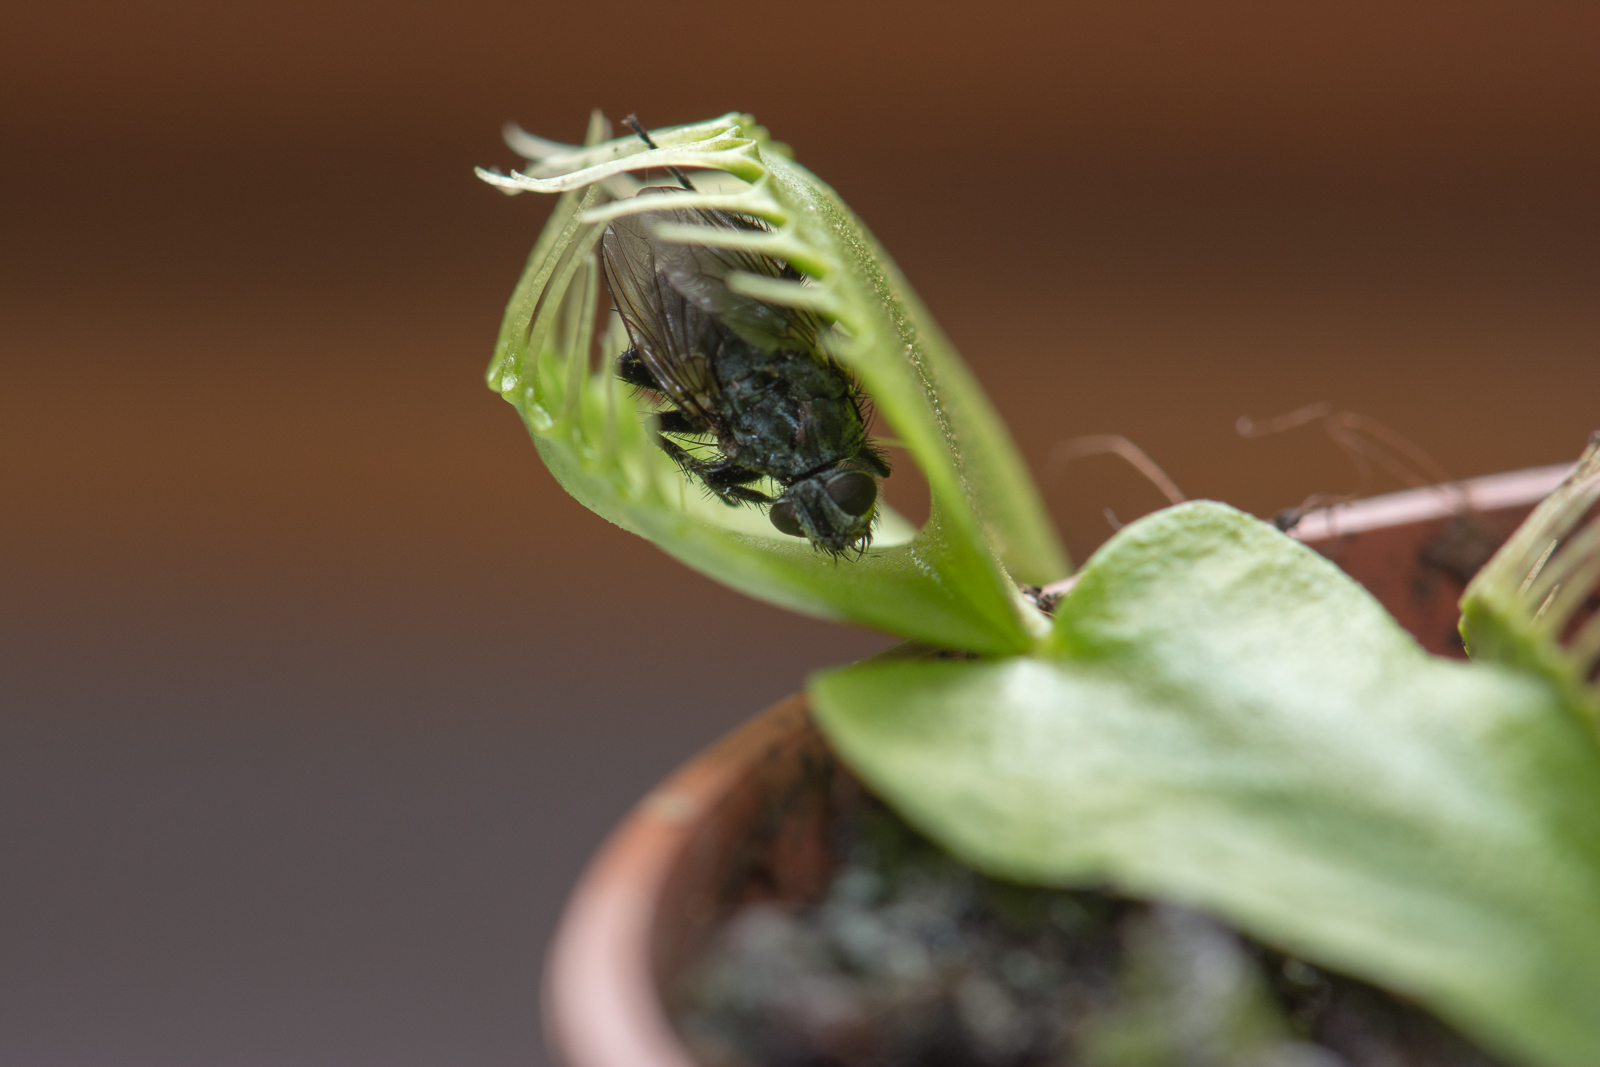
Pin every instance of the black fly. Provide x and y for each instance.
(743, 380)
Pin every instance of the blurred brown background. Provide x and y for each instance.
(318, 690)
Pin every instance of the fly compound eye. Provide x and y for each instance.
(786, 519)
(854, 492)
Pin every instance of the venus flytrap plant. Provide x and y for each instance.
(1216, 715)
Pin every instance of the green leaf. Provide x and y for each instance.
(1226, 720)
(952, 582)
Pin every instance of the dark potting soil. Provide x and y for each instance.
(912, 960)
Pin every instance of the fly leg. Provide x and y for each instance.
(725, 478)
(631, 369)
(728, 481)
(731, 482)
(681, 422)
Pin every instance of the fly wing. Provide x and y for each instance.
(675, 301)
(669, 332)
(700, 273)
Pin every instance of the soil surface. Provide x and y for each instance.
(912, 959)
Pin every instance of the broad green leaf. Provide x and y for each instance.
(952, 582)
(1226, 720)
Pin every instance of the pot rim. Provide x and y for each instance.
(601, 1005)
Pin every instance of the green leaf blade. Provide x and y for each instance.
(1229, 722)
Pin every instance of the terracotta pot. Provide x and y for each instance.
(748, 818)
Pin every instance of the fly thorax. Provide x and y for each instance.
(783, 414)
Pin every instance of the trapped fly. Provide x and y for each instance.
(747, 391)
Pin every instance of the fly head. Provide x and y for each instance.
(833, 509)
